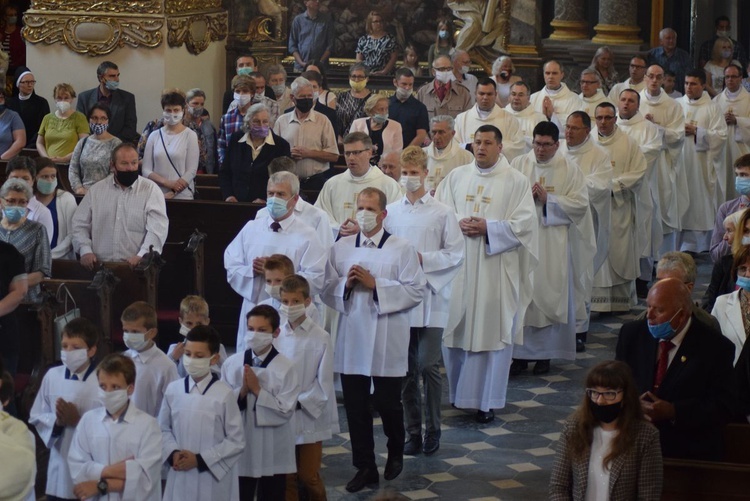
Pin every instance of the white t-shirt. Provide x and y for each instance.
(597, 488)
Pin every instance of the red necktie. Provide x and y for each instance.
(661, 367)
(441, 91)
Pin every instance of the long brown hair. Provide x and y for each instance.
(615, 375)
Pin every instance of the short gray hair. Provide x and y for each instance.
(15, 184)
(192, 93)
(591, 71)
(499, 62)
(252, 111)
(275, 69)
(678, 261)
(444, 118)
(666, 31)
(456, 54)
(299, 84)
(285, 177)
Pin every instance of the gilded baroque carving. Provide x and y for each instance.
(117, 6)
(184, 6)
(179, 31)
(134, 32)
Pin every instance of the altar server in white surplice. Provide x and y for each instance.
(433, 230)
(116, 450)
(444, 153)
(666, 114)
(562, 206)
(649, 138)
(375, 282)
(491, 292)
(520, 107)
(734, 101)
(705, 162)
(338, 198)
(581, 150)
(591, 93)
(281, 232)
(202, 430)
(614, 283)
(266, 386)
(556, 101)
(487, 112)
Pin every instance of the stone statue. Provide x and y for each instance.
(484, 26)
(273, 10)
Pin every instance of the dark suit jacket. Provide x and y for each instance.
(721, 282)
(636, 474)
(742, 372)
(244, 178)
(699, 383)
(122, 121)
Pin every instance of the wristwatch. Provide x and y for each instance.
(103, 487)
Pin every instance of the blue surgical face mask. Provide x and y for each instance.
(663, 330)
(112, 84)
(742, 185)
(247, 70)
(743, 283)
(277, 207)
(746, 240)
(14, 214)
(380, 119)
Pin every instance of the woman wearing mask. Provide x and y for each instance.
(608, 451)
(351, 104)
(61, 205)
(325, 96)
(171, 156)
(11, 40)
(12, 131)
(385, 134)
(197, 118)
(92, 155)
(444, 44)
(721, 57)
(61, 130)
(28, 237)
(722, 276)
(244, 175)
(377, 49)
(503, 75)
(733, 310)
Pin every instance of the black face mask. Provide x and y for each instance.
(304, 105)
(126, 178)
(605, 413)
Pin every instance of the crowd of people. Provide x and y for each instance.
(478, 223)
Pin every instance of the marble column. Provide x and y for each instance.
(617, 23)
(569, 22)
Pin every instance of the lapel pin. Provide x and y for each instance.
(683, 359)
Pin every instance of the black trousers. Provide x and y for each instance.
(387, 401)
(271, 488)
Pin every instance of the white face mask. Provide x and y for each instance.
(113, 400)
(720, 33)
(74, 359)
(444, 76)
(746, 240)
(196, 367)
(411, 183)
(172, 118)
(62, 106)
(184, 329)
(402, 94)
(367, 220)
(274, 291)
(258, 341)
(294, 312)
(243, 99)
(134, 340)
(465, 70)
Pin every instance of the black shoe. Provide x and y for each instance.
(580, 345)
(393, 467)
(365, 477)
(413, 445)
(541, 367)
(431, 445)
(485, 417)
(517, 366)
(641, 288)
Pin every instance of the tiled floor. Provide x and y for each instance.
(509, 459)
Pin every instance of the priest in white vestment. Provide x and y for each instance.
(520, 107)
(581, 150)
(666, 114)
(556, 101)
(338, 198)
(493, 289)
(375, 281)
(591, 93)
(705, 162)
(487, 112)
(280, 232)
(444, 153)
(562, 206)
(614, 283)
(734, 102)
(636, 82)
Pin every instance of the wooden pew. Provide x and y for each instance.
(212, 193)
(705, 481)
(737, 444)
(207, 180)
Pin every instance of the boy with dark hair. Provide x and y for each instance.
(67, 392)
(117, 448)
(201, 425)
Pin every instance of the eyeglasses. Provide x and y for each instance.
(16, 202)
(637, 67)
(357, 78)
(353, 152)
(443, 68)
(608, 395)
(543, 145)
(589, 82)
(28, 82)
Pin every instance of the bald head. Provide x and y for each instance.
(390, 164)
(669, 301)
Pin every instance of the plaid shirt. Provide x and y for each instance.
(230, 123)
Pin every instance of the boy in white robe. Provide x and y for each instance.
(309, 348)
(266, 386)
(202, 430)
(116, 450)
(276, 268)
(376, 279)
(67, 392)
(193, 312)
(155, 369)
